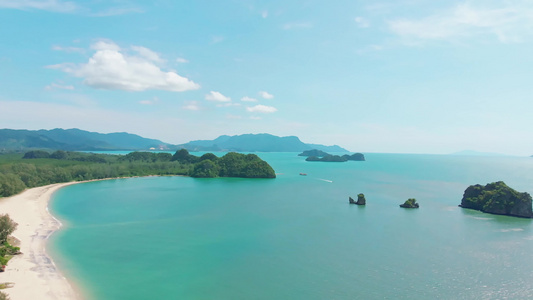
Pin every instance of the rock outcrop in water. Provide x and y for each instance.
(410, 203)
(498, 198)
(360, 200)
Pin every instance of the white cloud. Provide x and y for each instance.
(54, 86)
(266, 95)
(149, 102)
(248, 99)
(262, 109)
(508, 24)
(362, 22)
(68, 49)
(148, 54)
(302, 25)
(217, 96)
(181, 60)
(48, 5)
(191, 105)
(110, 68)
(264, 14)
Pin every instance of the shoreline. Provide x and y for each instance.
(34, 274)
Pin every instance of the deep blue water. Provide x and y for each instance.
(296, 237)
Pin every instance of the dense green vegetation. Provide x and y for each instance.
(7, 226)
(498, 198)
(38, 168)
(410, 203)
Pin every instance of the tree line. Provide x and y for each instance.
(39, 168)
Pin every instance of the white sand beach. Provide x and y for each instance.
(33, 273)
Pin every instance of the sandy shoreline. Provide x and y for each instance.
(34, 273)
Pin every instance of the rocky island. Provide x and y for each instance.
(410, 203)
(360, 200)
(497, 198)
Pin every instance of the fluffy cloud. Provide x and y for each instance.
(112, 68)
(262, 109)
(216, 96)
(148, 54)
(49, 5)
(509, 24)
(248, 99)
(181, 60)
(266, 95)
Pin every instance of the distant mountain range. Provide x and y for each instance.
(75, 139)
(476, 153)
(256, 143)
(81, 140)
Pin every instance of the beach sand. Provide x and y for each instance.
(33, 273)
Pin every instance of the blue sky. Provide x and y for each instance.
(372, 76)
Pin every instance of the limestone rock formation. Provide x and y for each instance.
(360, 200)
(498, 198)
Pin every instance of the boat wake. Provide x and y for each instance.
(330, 181)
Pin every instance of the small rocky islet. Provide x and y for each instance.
(493, 198)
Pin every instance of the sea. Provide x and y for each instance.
(296, 236)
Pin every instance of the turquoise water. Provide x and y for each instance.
(296, 237)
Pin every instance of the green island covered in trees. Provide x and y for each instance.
(410, 203)
(319, 155)
(498, 198)
(38, 168)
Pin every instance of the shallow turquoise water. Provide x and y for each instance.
(296, 237)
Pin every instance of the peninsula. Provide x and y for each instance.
(38, 168)
(498, 198)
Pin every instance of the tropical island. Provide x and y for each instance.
(319, 155)
(410, 203)
(39, 168)
(498, 198)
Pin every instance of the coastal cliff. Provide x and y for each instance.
(498, 198)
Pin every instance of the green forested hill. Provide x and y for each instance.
(74, 139)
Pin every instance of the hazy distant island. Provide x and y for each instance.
(410, 203)
(38, 168)
(319, 155)
(80, 140)
(262, 142)
(498, 198)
